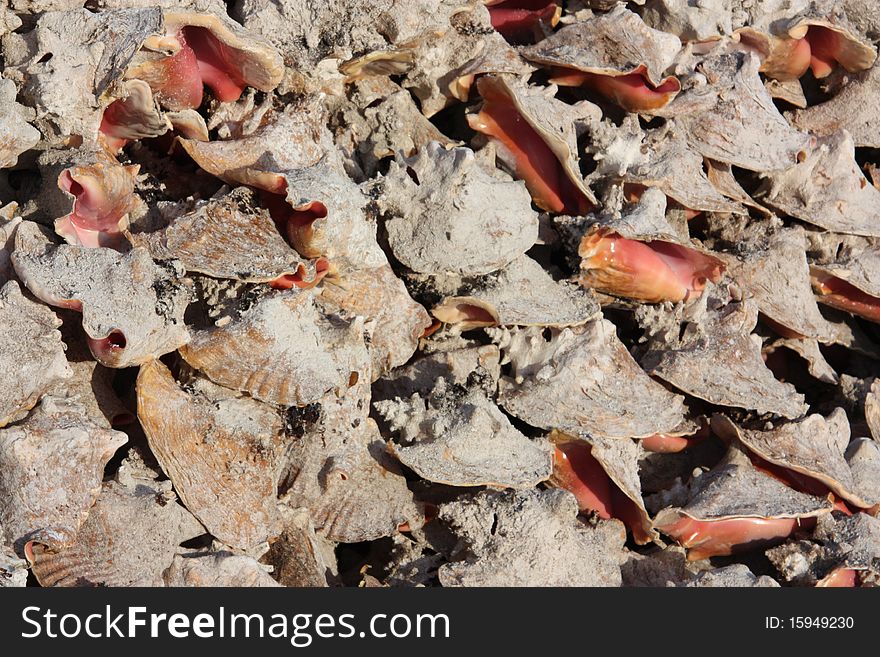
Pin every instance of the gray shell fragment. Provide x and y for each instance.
(584, 380)
(735, 575)
(716, 359)
(51, 467)
(774, 271)
(227, 237)
(808, 349)
(530, 538)
(863, 457)
(737, 122)
(222, 454)
(447, 215)
(13, 571)
(132, 308)
(129, 539)
(282, 350)
(216, 569)
(461, 438)
(31, 353)
(827, 189)
(701, 21)
(521, 294)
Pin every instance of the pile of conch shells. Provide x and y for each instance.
(439, 293)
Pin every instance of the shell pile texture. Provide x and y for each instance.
(456, 292)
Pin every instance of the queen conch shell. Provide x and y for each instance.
(221, 453)
(441, 207)
(583, 380)
(204, 49)
(52, 465)
(132, 309)
(16, 134)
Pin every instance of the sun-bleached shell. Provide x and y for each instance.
(217, 569)
(129, 539)
(808, 349)
(379, 296)
(734, 120)
(57, 55)
(850, 109)
(530, 538)
(521, 294)
(863, 457)
(51, 467)
(222, 455)
(132, 309)
(616, 43)
(445, 214)
(813, 446)
(736, 489)
(461, 438)
(583, 379)
(229, 237)
(31, 353)
(827, 189)
(282, 350)
(773, 270)
(714, 357)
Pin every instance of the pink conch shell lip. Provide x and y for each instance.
(837, 293)
(632, 91)
(536, 164)
(650, 272)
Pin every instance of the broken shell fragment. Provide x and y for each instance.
(205, 50)
(521, 294)
(461, 438)
(536, 135)
(849, 279)
(444, 214)
(282, 350)
(299, 557)
(129, 539)
(530, 538)
(221, 453)
(232, 237)
(617, 55)
(132, 309)
(583, 380)
(715, 358)
(735, 507)
(31, 353)
(604, 477)
(52, 464)
(827, 189)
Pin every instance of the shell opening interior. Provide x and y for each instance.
(521, 20)
(837, 293)
(711, 538)
(631, 91)
(533, 160)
